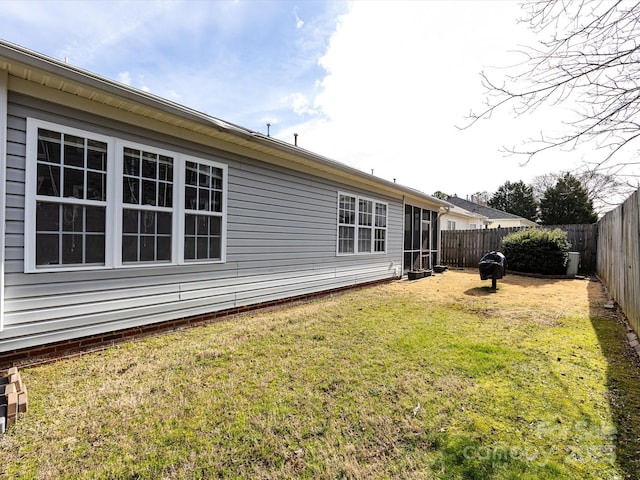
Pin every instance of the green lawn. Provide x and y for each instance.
(430, 379)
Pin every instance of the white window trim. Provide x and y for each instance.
(183, 210)
(31, 198)
(120, 145)
(114, 204)
(357, 226)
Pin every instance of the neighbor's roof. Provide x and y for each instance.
(491, 213)
(51, 73)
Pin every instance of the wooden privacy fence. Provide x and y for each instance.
(465, 248)
(618, 260)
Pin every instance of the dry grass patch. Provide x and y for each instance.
(437, 378)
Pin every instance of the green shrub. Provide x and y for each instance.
(537, 250)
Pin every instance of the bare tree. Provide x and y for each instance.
(589, 58)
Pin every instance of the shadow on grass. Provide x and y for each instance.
(481, 291)
(623, 380)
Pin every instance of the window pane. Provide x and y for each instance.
(148, 192)
(47, 248)
(204, 177)
(48, 180)
(347, 210)
(189, 248)
(147, 222)
(202, 244)
(365, 213)
(130, 190)
(191, 198)
(203, 199)
(72, 218)
(381, 215)
(129, 248)
(72, 251)
(47, 217)
(364, 240)
(96, 186)
(49, 146)
(129, 221)
(164, 223)
(131, 162)
(149, 163)
(191, 173)
(63, 230)
(215, 248)
(74, 151)
(190, 224)
(380, 243)
(217, 202)
(97, 155)
(346, 239)
(203, 225)
(147, 248)
(164, 195)
(165, 166)
(202, 237)
(216, 174)
(95, 249)
(95, 219)
(73, 183)
(164, 248)
(215, 226)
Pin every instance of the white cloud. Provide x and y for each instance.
(299, 103)
(299, 23)
(400, 77)
(124, 77)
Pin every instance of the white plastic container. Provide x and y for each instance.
(573, 263)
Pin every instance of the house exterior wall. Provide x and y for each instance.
(461, 222)
(280, 242)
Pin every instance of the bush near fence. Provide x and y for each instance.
(465, 248)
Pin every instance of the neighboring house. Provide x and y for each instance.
(458, 218)
(121, 209)
(495, 218)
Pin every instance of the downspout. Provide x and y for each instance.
(4, 81)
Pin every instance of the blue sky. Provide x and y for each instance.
(378, 85)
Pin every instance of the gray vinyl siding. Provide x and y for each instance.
(281, 242)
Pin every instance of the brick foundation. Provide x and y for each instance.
(55, 351)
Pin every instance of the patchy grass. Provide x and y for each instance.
(439, 378)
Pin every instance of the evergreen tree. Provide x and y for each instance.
(567, 203)
(440, 195)
(516, 198)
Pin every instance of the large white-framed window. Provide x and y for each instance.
(362, 225)
(94, 202)
(67, 187)
(205, 186)
(146, 218)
